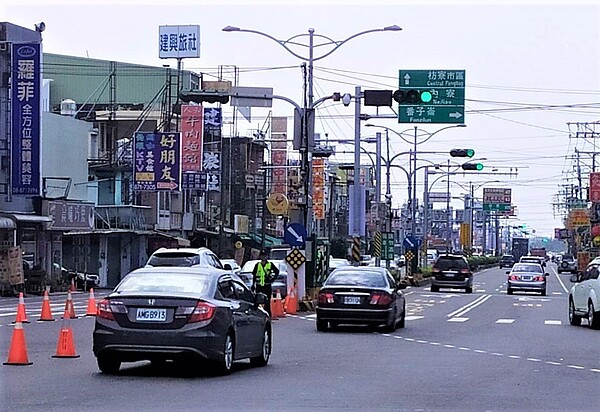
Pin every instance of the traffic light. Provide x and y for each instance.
(472, 166)
(462, 152)
(413, 96)
(201, 96)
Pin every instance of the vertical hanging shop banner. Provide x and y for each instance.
(157, 161)
(318, 192)
(25, 109)
(279, 155)
(595, 187)
(192, 127)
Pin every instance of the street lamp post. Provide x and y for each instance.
(308, 101)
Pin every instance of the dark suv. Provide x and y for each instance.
(451, 271)
(567, 264)
(507, 261)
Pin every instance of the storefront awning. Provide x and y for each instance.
(22, 218)
(7, 223)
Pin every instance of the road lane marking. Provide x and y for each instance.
(479, 351)
(534, 359)
(575, 367)
(552, 322)
(459, 320)
(472, 305)
(413, 317)
(557, 276)
(422, 341)
(505, 321)
(497, 354)
(449, 346)
(554, 363)
(557, 293)
(595, 370)
(465, 349)
(514, 356)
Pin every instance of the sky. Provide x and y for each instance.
(531, 69)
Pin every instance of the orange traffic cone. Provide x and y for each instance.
(69, 308)
(17, 355)
(46, 311)
(66, 344)
(291, 302)
(21, 315)
(91, 308)
(72, 288)
(278, 311)
(273, 307)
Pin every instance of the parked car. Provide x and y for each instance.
(361, 295)
(451, 271)
(280, 283)
(83, 281)
(526, 277)
(584, 297)
(187, 257)
(567, 264)
(235, 268)
(506, 261)
(181, 314)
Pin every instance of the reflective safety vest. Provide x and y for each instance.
(262, 272)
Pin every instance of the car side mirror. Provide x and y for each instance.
(546, 274)
(227, 266)
(574, 278)
(401, 285)
(260, 299)
(508, 272)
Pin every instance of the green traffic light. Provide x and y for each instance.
(426, 97)
(479, 166)
(470, 152)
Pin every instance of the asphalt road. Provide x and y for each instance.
(485, 351)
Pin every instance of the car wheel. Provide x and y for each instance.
(321, 325)
(224, 365)
(108, 365)
(402, 321)
(574, 319)
(390, 326)
(593, 317)
(543, 292)
(469, 290)
(509, 291)
(265, 351)
(435, 288)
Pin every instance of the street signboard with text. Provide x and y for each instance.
(595, 187)
(497, 199)
(447, 88)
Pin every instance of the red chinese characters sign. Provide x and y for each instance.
(191, 136)
(595, 187)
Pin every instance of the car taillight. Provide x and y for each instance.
(513, 277)
(435, 270)
(325, 297)
(539, 278)
(104, 311)
(382, 299)
(202, 311)
(464, 271)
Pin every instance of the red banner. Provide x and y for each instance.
(595, 187)
(191, 135)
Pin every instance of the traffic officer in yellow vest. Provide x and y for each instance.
(263, 275)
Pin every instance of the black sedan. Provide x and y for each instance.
(526, 277)
(181, 314)
(361, 295)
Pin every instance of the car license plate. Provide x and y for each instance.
(450, 275)
(526, 277)
(151, 315)
(351, 300)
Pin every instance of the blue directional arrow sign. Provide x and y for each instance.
(410, 242)
(295, 235)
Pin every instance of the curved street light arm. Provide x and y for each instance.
(338, 44)
(282, 43)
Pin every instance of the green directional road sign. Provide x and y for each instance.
(387, 245)
(501, 207)
(444, 91)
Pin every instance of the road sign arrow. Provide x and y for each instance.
(407, 79)
(456, 115)
(296, 235)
